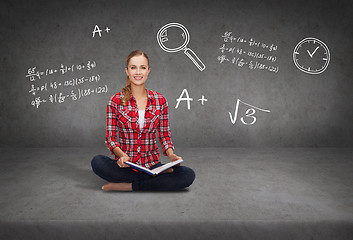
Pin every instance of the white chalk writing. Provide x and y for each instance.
(98, 31)
(181, 98)
(202, 99)
(59, 90)
(74, 95)
(72, 82)
(248, 52)
(248, 113)
(34, 74)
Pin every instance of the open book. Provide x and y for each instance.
(155, 171)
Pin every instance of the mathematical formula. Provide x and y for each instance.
(75, 95)
(59, 91)
(248, 52)
(34, 74)
(72, 82)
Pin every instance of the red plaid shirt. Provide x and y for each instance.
(139, 144)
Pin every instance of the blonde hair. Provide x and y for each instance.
(127, 89)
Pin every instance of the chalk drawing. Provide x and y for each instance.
(202, 99)
(99, 31)
(68, 87)
(34, 74)
(248, 114)
(248, 52)
(248, 119)
(72, 82)
(311, 56)
(75, 95)
(166, 42)
(181, 98)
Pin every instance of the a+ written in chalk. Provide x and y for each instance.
(99, 31)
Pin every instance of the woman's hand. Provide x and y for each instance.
(121, 161)
(173, 157)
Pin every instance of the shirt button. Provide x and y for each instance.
(138, 149)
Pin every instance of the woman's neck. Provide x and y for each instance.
(139, 91)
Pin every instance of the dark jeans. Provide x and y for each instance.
(110, 171)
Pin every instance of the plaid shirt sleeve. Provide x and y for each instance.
(111, 131)
(165, 137)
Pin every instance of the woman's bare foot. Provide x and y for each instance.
(117, 187)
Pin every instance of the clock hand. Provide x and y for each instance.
(312, 54)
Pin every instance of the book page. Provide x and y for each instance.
(166, 166)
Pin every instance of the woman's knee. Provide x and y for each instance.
(97, 162)
(189, 176)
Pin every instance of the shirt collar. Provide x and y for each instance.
(149, 95)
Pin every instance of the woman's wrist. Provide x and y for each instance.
(118, 152)
(169, 152)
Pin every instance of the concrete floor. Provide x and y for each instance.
(239, 193)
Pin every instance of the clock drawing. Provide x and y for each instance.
(311, 55)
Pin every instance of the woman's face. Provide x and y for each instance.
(138, 70)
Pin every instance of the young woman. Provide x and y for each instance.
(133, 118)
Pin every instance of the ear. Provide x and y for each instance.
(127, 73)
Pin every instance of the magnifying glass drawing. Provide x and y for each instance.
(174, 37)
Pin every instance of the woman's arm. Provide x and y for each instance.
(111, 132)
(112, 125)
(164, 133)
(117, 151)
(123, 157)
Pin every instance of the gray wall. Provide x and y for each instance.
(305, 109)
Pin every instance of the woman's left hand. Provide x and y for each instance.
(173, 157)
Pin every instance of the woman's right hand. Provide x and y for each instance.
(121, 161)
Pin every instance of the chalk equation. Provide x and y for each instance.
(174, 37)
(249, 113)
(59, 90)
(248, 116)
(72, 82)
(34, 74)
(74, 95)
(248, 52)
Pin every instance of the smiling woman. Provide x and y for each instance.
(137, 70)
(133, 117)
